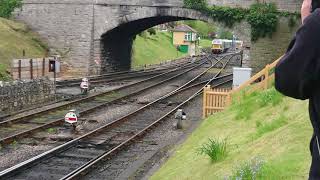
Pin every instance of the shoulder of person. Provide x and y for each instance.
(313, 18)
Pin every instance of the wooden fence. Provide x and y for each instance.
(216, 100)
(30, 68)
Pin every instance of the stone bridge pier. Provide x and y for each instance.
(96, 36)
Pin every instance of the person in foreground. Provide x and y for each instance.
(297, 75)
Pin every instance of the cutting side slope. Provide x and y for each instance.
(266, 125)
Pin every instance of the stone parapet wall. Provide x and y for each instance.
(18, 95)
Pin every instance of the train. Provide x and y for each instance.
(220, 46)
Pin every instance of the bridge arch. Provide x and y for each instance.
(114, 38)
(75, 29)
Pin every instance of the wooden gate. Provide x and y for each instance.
(215, 100)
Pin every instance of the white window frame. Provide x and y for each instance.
(188, 36)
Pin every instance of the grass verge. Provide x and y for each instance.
(281, 139)
(16, 37)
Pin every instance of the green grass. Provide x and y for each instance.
(52, 130)
(16, 37)
(203, 28)
(215, 149)
(205, 43)
(265, 127)
(281, 140)
(154, 49)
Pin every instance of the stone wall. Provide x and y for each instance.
(66, 27)
(18, 95)
(266, 50)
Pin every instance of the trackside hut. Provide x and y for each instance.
(185, 38)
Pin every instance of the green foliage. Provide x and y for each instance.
(196, 4)
(223, 34)
(204, 29)
(52, 130)
(8, 6)
(152, 31)
(250, 170)
(215, 149)
(4, 76)
(270, 96)
(263, 128)
(149, 50)
(263, 17)
(228, 16)
(249, 102)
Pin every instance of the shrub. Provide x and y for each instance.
(8, 6)
(152, 31)
(196, 4)
(250, 170)
(215, 149)
(143, 34)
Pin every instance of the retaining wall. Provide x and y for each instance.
(18, 95)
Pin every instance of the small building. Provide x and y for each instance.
(185, 39)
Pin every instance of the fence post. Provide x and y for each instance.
(43, 66)
(19, 70)
(266, 77)
(204, 103)
(31, 69)
(229, 98)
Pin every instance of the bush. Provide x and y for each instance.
(8, 6)
(215, 149)
(250, 170)
(152, 31)
(196, 4)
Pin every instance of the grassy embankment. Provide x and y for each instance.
(154, 49)
(16, 37)
(159, 48)
(264, 126)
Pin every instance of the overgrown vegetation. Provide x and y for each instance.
(249, 102)
(215, 149)
(249, 170)
(8, 6)
(263, 17)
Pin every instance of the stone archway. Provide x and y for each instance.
(114, 37)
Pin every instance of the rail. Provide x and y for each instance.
(216, 100)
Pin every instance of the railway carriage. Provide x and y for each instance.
(223, 45)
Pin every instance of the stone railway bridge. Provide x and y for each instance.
(95, 36)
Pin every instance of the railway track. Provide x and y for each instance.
(81, 153)
(18, 127)
(120, 76)
(105, 80)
